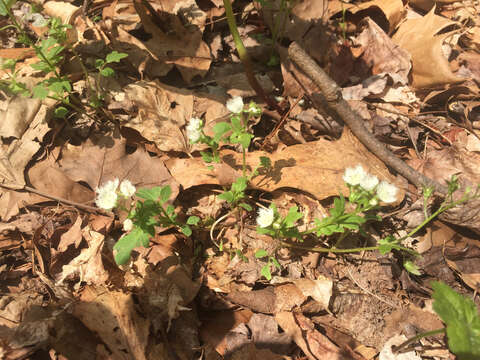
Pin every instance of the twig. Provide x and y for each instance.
(335, 101)
(18, 187)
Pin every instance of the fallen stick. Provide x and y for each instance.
(335, 101)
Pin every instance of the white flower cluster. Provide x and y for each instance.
(235, 104)
(386, 192)
(107, 194)
(194, 130)
(265, 217)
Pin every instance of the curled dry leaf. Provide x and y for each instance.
(419, 37)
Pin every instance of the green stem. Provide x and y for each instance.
(243, 54)
(396, 349)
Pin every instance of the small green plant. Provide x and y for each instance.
(462, 321)
(366, 193)
(50, 50)
(271, 262)
(143, 217)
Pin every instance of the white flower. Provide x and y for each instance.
(127, 225)
(354, 176)
(127, 189)
(387, 192)
(369, 182)
(235, 105)
(107, 195)
(194, 130)
(265, 217)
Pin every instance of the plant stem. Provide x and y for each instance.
(396, 349)
(243, 54)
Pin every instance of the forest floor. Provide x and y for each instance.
(238, 242)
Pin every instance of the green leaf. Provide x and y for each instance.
(41, 66)
(244, 140)
(186, 230)
(59, 86)
(46, 44)
(115, 56)
(261, 253)
(170, 210)
(462, 319)
(8, 63)
(275, 262)
(292, 216)
(265, 231)
(165, 193)
(5, 6)
(124, 246)
(245, 206)
(265, 162)
(266, 272)
(40, 91)
(411, 267)
(99, 63)
(206, 156)
(61, 112)
(227, 196)
(339, 206)
(237, 125)
(219, 129)
(193, 220)
(150, 194)
(386, 245)
(107, 72)
(239, 185)
(54, 51)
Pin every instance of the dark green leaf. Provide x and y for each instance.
(462, 319)
(165, 193)
(265, 231)
(265, 162)
(386, 245)
(8, 63)
(99, 63)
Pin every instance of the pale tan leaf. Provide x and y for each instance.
(419, 37)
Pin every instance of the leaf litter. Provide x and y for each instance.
(410, 71)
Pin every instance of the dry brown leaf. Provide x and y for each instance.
(164, 110)
(103, 158)
(419, 37)
(427, 5)
(382, 55)
(89, 264)
(72, 237)
(316, 167)
(113, 316)
(192, 58)
(312, 342)
(392, 9)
